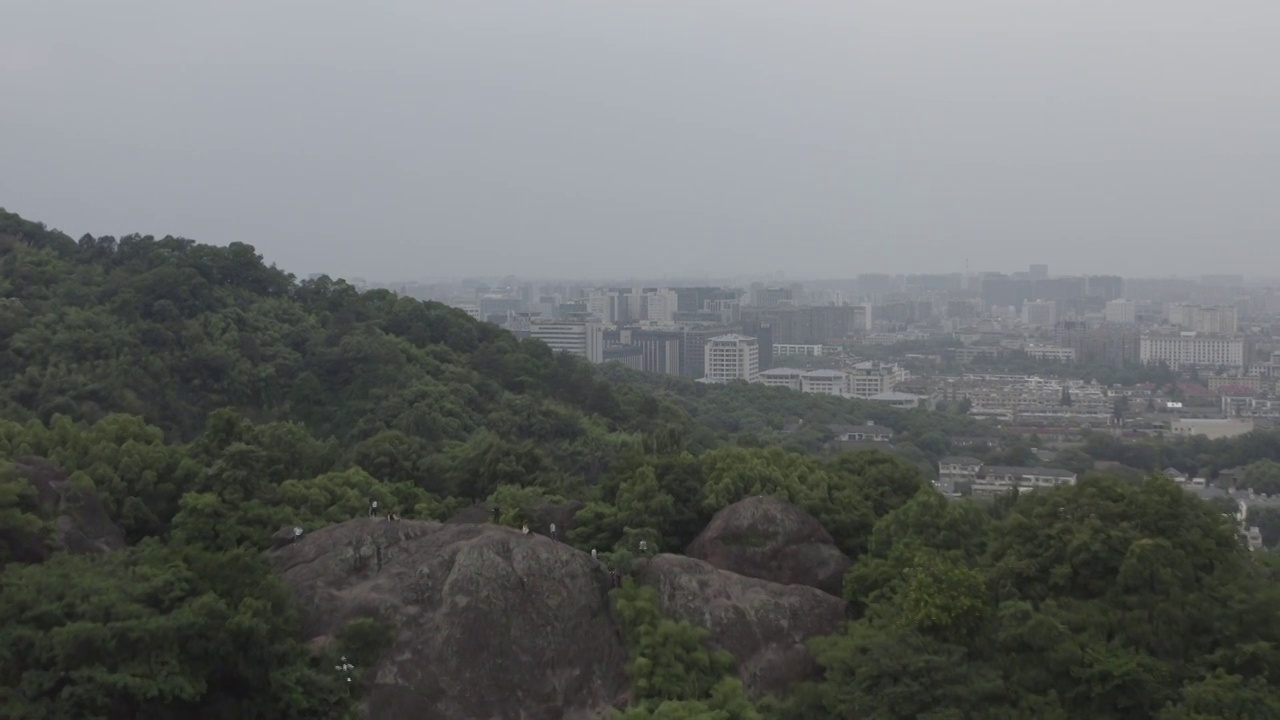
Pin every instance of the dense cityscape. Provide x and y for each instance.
(1008, 344)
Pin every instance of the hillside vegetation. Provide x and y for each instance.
(209, 401)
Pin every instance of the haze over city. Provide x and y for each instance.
(569, 138)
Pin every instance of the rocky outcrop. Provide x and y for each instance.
(80, 521)
(540, 518)
(489, 623)
(763, 624)
(771, 539)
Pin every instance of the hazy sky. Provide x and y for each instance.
(410, 138)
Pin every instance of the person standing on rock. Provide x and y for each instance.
(497, 514)
(644, 546)
(525, 529)
(593, 554)
(373, 508)
(553, 531)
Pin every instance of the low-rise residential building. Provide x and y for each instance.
(1052, 353)
(903, 400)
(788, 349)
(861, 433)
(783, 377)
(825, 382)
(994, 479)
(1248, 406)
(1212, 428)
(954, 469)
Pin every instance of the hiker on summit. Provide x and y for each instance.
(553, 531)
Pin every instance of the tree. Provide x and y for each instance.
(1262, 476)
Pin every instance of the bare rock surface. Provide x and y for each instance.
(769, 538)
(489, 624)
(763, 624)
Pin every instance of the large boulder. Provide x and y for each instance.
(763, 625)
(488, 623)
(769, 538)
(80, 521)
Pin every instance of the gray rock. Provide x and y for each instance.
(763, 625)
(769, 538)
(490, 623)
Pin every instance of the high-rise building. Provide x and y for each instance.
(732, 357)
(576, 337)
(660, 306)
(1039, 272)
(661, 349)
(1201, 319)
(605, 306)
(1040, 313)
(1121, 311)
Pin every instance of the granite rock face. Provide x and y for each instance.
(771, 539)
(764, 625)
(489, 623)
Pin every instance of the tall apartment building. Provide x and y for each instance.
(873, 378)
(1040, 313)
(1109, 344)
(661, 349)
(693, 345)
(1204, 319)
(605, 306)
(1123, 312)
(660, 306)
(576, 337)
(732, 357)
(1190, 349)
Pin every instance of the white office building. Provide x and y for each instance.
(584, 339)
(732, 357)
(783, 377)
(785, 349)
(874, 378)
(825, 382)
(1190, 349)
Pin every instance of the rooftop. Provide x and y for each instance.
(870, 429)
(782, 372)
(731, 337)
(1017, 470)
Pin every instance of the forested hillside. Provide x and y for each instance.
(169, 409)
